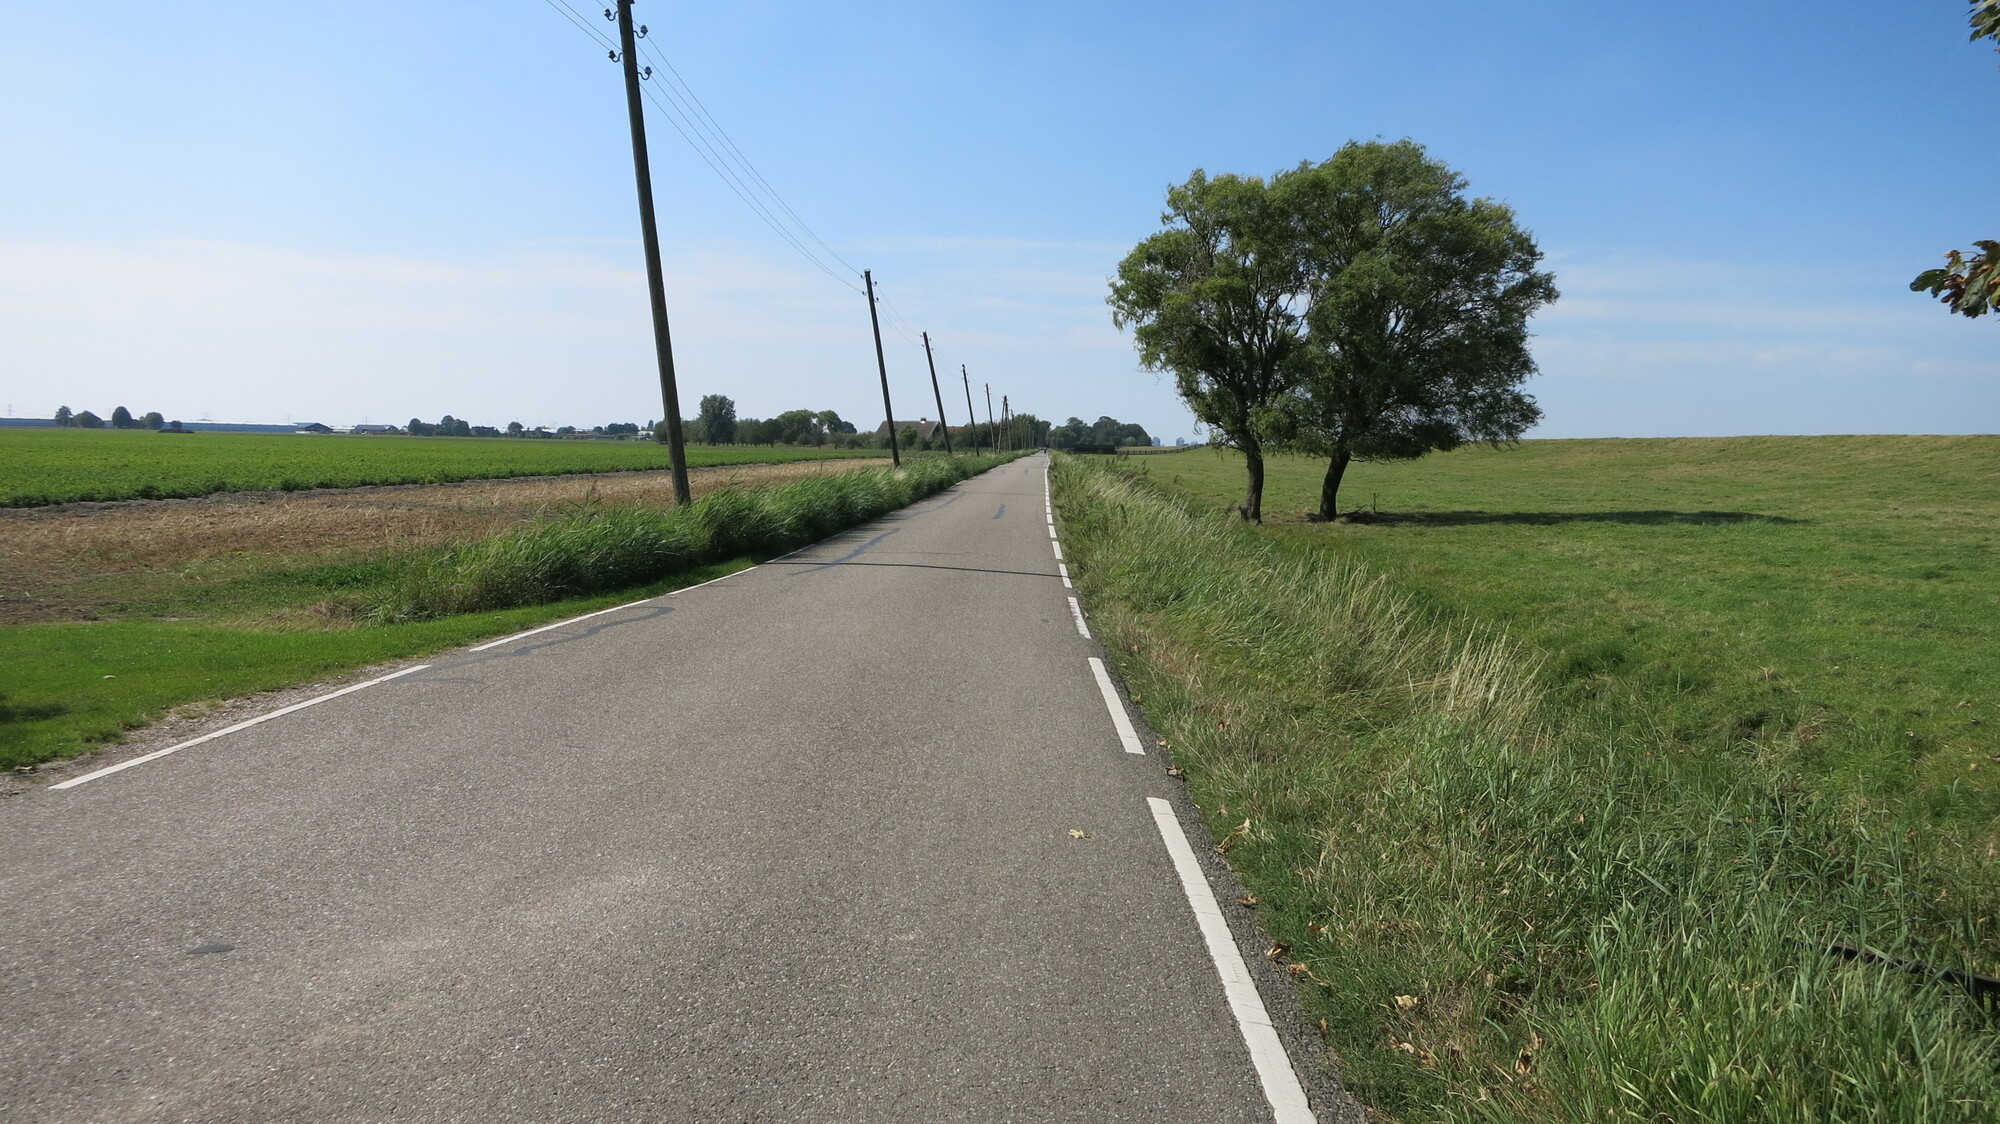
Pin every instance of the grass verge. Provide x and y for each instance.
(73, 687)
(1507, 902)
(592, 551)
(66, 688)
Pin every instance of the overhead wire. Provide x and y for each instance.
(582, 23)
(717, 156)
(899, 322)
(673, 96)
(646, 47)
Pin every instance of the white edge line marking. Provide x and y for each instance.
(283, 711)
(1052, 530)
(1126, 735)
(1058, 547)
(1076, 610)
(244, 725)
(558, 624)
(627, 605)
(1274, 1066)
(1064, 567)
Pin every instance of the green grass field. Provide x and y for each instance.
(46, 466)
(1839, 592)
(1555, 781)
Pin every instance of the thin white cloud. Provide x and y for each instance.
(549, 333)
(1644, 346)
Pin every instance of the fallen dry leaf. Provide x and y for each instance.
(1247, 901)
(1229, 840)
(1075, 834)
(1406, 1002)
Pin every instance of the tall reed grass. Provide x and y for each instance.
(1503, 907)
(595, 551)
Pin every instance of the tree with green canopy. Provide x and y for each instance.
(1969, 286)
(1361, 307)
(1416, 310)
(718, 419)
(1215, 300)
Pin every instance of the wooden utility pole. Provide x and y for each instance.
(881, 366)
(663, 344)
(971, 419)
(1007, 422)
(942, 427)
(992, 431)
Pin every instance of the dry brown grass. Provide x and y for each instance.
(69, 562)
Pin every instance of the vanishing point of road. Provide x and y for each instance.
(861, 834)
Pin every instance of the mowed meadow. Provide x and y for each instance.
(1839, 592)
(51, 466)
(1594, 780)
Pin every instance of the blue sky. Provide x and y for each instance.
(349, 210)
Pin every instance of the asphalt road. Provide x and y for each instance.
(851, 836)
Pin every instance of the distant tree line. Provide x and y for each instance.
(1103, 431)
(716, 423)
(448, 426)
(121, 418)
(1020, 431)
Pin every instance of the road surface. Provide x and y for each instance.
(851, 836)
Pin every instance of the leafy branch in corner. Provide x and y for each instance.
(1969, 286)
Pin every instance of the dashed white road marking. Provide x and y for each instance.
(1274, 1067)
(1076, 611)
(1126, 734)
(244, 725)
(1064, 567)
(1058, 546)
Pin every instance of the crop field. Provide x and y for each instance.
(50, 466)
(1594, 780)
(111, 617)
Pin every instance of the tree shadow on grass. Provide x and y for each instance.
(1558, 518)
(32, 712)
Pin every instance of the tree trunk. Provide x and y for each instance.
(1253, 499)
(1330, 487)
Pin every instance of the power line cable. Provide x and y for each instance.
(897, 318)
(660, 57)
(728, 181)
(687, 125)
(583, 24)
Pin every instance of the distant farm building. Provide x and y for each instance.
(927, 430)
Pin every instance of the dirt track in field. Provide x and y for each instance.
(67, 562)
